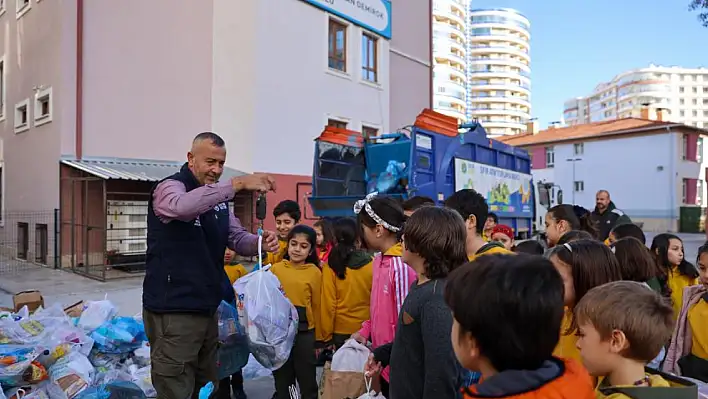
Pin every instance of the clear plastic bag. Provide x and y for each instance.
(352, 356)
(71, 374)
(142, 378)
(119, 335)
(253, 370)
(268, 317)
(229, 326)
(96, 313)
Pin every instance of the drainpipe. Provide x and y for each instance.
(79, 77)
(430, 60)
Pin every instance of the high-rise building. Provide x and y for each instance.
(498, 70)
(450, 57)
(680, 93)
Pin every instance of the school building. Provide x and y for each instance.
(655, 170)
(100, 99)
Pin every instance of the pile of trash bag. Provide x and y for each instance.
(49, 355)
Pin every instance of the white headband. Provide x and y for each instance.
(364, 204)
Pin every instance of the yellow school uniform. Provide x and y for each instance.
(697, 322)
(302, 285)
(567, 344)
(677, 282)
(235, 272)
(346, 302)
(274, 257)
(660, 386)
(491, 250)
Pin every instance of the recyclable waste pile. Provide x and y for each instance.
(50, 355)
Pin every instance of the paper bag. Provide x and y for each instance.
(341, 384)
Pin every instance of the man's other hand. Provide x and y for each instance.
(270, 241)
(256, 182)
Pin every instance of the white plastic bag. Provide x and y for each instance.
(97, 313)
(267, 316)
(2, 393)
(254, 370)
(371, 394)
(71, 374)
(142, 378)
(352, 356)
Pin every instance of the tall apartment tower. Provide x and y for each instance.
(450, 57)
(681, 94)
(498, 70)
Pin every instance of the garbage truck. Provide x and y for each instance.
(434, 157)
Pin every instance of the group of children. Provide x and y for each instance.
(451, 306)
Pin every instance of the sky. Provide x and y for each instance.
(576, 45)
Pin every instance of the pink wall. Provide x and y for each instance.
(691, 147)
(410, 62)
(691, 191)
(538, 158)
(147, 77)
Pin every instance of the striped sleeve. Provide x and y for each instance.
(401, 281)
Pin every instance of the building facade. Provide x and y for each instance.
(450, 57)
(655, 171)
(499, 72)
(103, 80)
(681, 93)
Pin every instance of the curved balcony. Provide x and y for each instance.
(500, 112)
(440, 69)
(487, 17)
(442, 29)
(445, 11)
(479, 49)
(445, 53)
(477, 60)
(499, 99)
(499, 74)
(496, 25)
(499, 37)
(450, 111)
(451, 89)
(446, 41)
(452, 98)
(502, 124)
(500, 86)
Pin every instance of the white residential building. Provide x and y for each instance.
(499, 72)
(681, 92)
(450, 57)
(655, 171)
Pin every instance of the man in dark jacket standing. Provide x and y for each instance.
(189, 228)
(606, 215)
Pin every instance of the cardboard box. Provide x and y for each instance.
(32, 299)
(75, 310)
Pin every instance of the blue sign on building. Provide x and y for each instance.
(374, 15)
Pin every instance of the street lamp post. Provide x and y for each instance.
(573, 161)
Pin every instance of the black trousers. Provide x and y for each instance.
(235, 383)
(300, 368)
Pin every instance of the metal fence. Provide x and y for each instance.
(29, 239)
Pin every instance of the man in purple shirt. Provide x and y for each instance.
(189, 229)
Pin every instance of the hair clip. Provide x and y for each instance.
(568, 247)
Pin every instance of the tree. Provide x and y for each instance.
(702, 6)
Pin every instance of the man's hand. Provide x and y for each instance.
(270, 241)
(255, 182)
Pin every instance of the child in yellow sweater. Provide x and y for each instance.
(677, 273)
(621, 327)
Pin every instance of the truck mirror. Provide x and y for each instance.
(544, 196)
(559, 197)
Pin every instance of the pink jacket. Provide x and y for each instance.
(391, 281)
(682, 337)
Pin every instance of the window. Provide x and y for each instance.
(22, 7)
(699, 150)
(681, 101)
(337, 46)
(579, 186)
(43, 107)
(367, 131)
(681, 89)
(41, 243)
(684, 190)
(682, 113)
(578, 148)
(695, 90)
(22, 240)
(694, 101)
(684, 147)
(22, 116)
(336, 123)
(699, 192)
(369, 57)
(2, 87)
(550, 157)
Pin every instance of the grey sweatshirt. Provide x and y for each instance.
(423, 363)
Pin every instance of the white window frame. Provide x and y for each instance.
(40, 95)
(699, 192)
(3, 7)
(341, 119)
(3, 90)
(377, 48)
(19, 128)
(371, 126)
(578, 186)
(550, 154)
(684, 190)
(21, 9)
(579, 148)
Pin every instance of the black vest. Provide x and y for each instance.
(185, 260)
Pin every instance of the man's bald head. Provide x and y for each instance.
(207, 157)
(602, 200)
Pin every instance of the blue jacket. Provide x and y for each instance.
(185, 260)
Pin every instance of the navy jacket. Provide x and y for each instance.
(185, 260)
